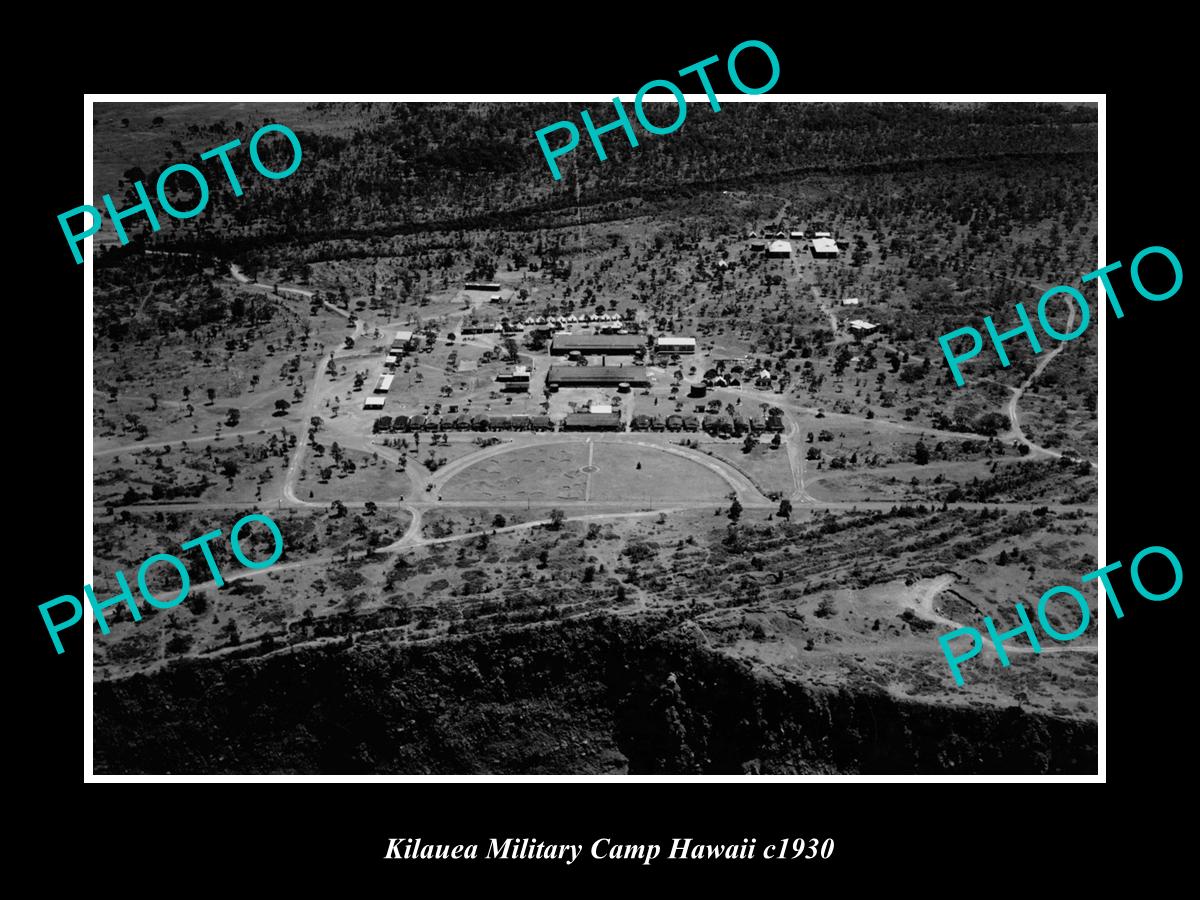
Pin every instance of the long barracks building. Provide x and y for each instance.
(597, 344)
(596, 376)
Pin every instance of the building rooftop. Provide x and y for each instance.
(824, 245)
(592, 420)
(598, 342)
(780, 247)
(591, 374)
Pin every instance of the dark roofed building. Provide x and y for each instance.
(674, 422)
(520, 423)
(691, 423)
(641, 423)
(597, 344)
(433, 423)
(499, 423)
(463, 422)
(480, 423)
(400, 423)
(541, 423)
(416, 423)
(592, 422)
(596, 376)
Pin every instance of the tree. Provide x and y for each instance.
(785, 508)
(499, 521)
(735, 510)
(749, 443)
(557, 516)
(370, 508)
(921, 454)
(776, 441)
(281, 407)
(212, 395)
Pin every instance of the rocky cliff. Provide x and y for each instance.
(602, 694)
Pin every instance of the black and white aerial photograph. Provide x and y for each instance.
(653, 469)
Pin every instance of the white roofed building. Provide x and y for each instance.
(824, 248)
(862, 326)
(669, 344)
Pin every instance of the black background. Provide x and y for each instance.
(937, 836)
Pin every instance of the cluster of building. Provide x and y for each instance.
(821, 243)
(716, 424)
(402, 344)
(599, 418)
(463, 422)
(549, 323)
(515, 380)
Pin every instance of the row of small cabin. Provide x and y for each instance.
(713, 424)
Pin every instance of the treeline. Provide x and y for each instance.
(451, 166)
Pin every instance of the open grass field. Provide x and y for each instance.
(663, 476)
(767, 467)
(535, 474)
